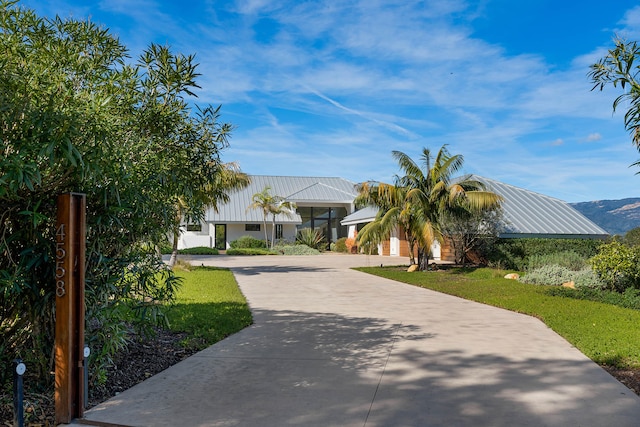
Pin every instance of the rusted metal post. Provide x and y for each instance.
(69, 277)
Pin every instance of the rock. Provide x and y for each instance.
(570, 285)
(412, 268)
(512, 276)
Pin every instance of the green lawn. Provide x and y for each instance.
(209, 306)
(608, 334)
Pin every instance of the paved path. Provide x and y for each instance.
(335, 347)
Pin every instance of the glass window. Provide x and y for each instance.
(279, 231)
(305, 215)
(252, 227)
(194, 227)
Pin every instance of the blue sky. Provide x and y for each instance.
(330, 88)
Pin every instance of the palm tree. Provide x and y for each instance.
(394, 210)
(228, 178)
(282, 207)
(274, 205)
(418, 199)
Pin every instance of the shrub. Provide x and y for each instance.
(251, 251)
(297, 250)
(312, 238)
(199, 250)
(514, 254)
(618, 266)
(568, 259)
(548, 275)
(351, 245)
(587, 278)
(632, 238)
(340, 245)
(556, 275)
(248, 242)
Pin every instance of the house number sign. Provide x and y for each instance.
(61, 255)
(69, 280)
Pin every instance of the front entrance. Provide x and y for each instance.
(220, 231)
(325, 220)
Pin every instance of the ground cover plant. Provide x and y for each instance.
(608, 334)
(252, 251)
(296, 250)
(199, 250)
(208, 307)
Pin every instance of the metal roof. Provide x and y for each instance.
(526, 213)
(366, 214)
(530, 214)
(304, 191)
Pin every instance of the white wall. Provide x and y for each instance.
(235, 231)
(192, 240)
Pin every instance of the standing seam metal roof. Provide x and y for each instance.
(299, 189)
(526, 213)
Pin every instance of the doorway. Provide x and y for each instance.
(220, 232)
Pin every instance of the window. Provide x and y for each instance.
(194, 227)
(326, 220)
(252, 227)
(279, 231)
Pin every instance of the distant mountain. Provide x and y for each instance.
(615, 216)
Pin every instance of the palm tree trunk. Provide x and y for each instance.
(266, 236)
(423, 258)
(411, 243)
(273, 230)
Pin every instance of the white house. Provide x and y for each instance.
(322, 202)
(326, 204)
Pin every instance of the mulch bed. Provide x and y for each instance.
(142, 359)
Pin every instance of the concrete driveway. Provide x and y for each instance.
(335, 347)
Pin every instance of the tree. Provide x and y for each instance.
(394, 209)
(419, 198)
(229, 178)
(282, 207)
(632, 237)
(77, 116)
(619, 68)
(470, 230)
(271, 205)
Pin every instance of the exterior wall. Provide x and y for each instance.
(394, 243)
(397, 246)
(386, 248)
(446, 252)
(400, 247)
(192, 239)
(207, 237)
(235, 231)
